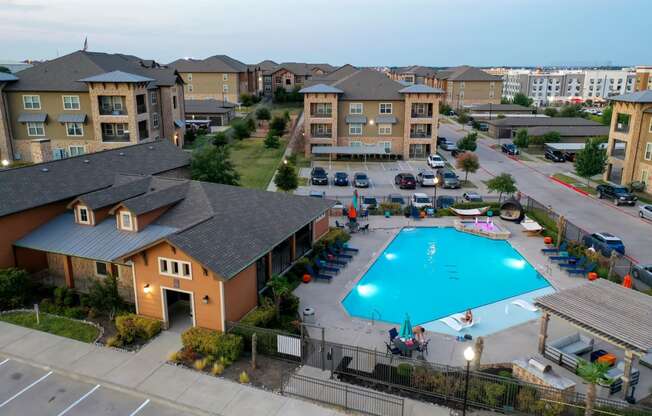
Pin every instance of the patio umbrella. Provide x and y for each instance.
(406, 328)
(354, 206)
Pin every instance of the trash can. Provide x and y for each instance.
(309, 315)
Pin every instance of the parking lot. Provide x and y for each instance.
(27, 390)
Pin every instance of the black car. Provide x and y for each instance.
(619, 194)
(554, 155)
(318, 176)
(445, 201)
(396, 199)
(341, 179)
(440, 140)
(405, 181)
(509, 148)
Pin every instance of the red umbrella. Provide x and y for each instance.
(352, 212)
(627, 281)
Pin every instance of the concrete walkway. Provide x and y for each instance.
(298, 129)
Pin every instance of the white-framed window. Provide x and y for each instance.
(189, 87)
(126, 221)
(101, 269)
(74, 129)
(83, 216)
(648, 151)
(71, 102)
(355, 108)
(155, 121)
(387, 146)
(225, 88)
(189, 77)
(35, 128)
(153, 98)
(645, 176)
(174, 268)
(384, 129)
(355, 143)
(355, 129)
(385, 108)
(225, 77)
(59, 153)
(76, 150)
(31, 102)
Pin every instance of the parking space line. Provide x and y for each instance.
(382, 165)
(78, 400)
(139, 408)
(7, 359)
(24, 390)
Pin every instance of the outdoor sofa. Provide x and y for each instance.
(616, 374)
(565, 351)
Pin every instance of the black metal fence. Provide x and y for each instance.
(343, 395)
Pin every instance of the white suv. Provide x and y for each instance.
(421, 200)
(435, 161)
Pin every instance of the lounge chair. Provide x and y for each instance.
(565, 351)
(455, 322)
(564, 257)
(616, 375)
(318, 276)
(393, 333)
(585, 270)
(338, 254)
(580, 263)
(424, 347)
(326, 268)
(562, 247)
(334, 262)
(525, 305)
(345, 248)
(531, 227)
(473, 212)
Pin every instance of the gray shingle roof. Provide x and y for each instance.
(30, 186)
(420, 89)
(320, 89)
(32, 117)
(570, 131)
(117, 76)
(303, 69)
(634, 97)
(133, 186)
(162, 197)
(216, 63)
(71, 118)
(367, 84)
(466, 73)
(542, 121)
(207, 106)
(420, 71)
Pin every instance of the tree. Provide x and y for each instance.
(251, 124)
(15, 288)
(263, 114)
(271, 140)
(551, 112)
(468, 162)
(190, 136)
(286, 178)
(278, 125)
(591, 160)
(503, 183)
(5, 69)
(240, 129)
(505, 100)
(246, 99)
(468, 142)
(522, 140)
(463, 117)
(104, 296)
(593, 373)
(212, 164)
(444, 108)
(605, 118)
(280, 95)
(220, 139)
(552, 137)
(286, 116)
(522, 99)
(571, 110)
(280, 289)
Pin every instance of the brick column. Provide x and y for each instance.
(67, 271)
(543, 331)
(293, 246)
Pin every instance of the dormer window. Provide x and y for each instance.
(126, 221)
(83, 217)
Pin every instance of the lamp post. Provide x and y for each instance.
(434, 197)
(469, 355)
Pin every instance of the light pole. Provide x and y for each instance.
(469, 355)
(434, 197)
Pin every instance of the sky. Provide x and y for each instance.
(359, 32)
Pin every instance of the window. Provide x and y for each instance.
(387, 146)
(648, 151)
(76, 150)
(354, 143)
(82, 215)
(174, 102)
(31, 102)
(71, 102)
(125, 221)
(384, 129)
(155, 121)
(153, 98)
(225, 77)
(385, 108)
(101, 269)
(74, 129)
(59, 153)
(35, 129)
(225, 88)
(174, 268)
(355, 129)
(355, 108)
(288, 81)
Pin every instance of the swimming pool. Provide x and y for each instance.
(432, 273)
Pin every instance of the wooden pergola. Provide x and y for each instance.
(606, 310)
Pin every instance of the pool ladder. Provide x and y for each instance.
(373, 314)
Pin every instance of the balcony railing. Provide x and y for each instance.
(422, 115)
(417, 135)
(141, 108)
(113, 111)
(323, 114)
(321, 135)
(618, 154)
(115, 138)
(622, 127)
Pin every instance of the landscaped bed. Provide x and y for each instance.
(57, 325)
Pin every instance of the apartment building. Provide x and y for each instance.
(629, 149)
(84, 102)
(466, 85)
(414, 74)
(217, 77)
(602, 84)
(643, 78)
(290, 75)
(355, 110)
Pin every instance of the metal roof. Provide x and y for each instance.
(420, 89)
(104, 241)
(606, 309)
(386, 119)
(634, 97)
(32, 117)
(117, 76)
(72, 118)
(320, 89)
(356, 119)
(349, 150)
(4, 77)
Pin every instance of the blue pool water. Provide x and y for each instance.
(431, 273)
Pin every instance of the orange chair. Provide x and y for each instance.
(307, 278)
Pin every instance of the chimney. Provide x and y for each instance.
(41, 150)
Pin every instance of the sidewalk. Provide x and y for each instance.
(146, 372)
(288, 149)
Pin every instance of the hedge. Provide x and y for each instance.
(131, 327)
(213, 343)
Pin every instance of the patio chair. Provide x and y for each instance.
(564, 257)
(338, 225)
(393, 333)
(335, 252)
(580, 263)
(326, 268)
(392, 350)
(318, 276)
(346, 248)
(333, 262)
(562, 247)
(582, 271)
(423, 348)
(364, 228)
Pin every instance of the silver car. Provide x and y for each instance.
(645, 211)
(643, 272)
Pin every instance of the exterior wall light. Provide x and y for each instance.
(5, 163)
(146, 288)
(205, 299)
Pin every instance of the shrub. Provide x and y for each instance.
(290, 304)
(278, 125)
(404, 370)
(76, 312)
(104, 297)
(126, 327)
(244, 378)
(271, 140)
(263, 113)
(262, 316)
(64, 296)
(131, 327)
(240, 129)
(174, 356)
(444, 108)
(209, 342)
(220, 139)
(251, 124)
(217, 369)
(200, 364)
(393, 208)
(14, 288)
(190, 136)
(114, 341)
(246, 99)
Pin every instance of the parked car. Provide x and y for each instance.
(445, 201)
(341, 179)
(421, 200)
(472, 196)
(396, 199)
(643, 272)
(569, 156)
(405, 181)
(426, 178)
(361, 180)
(619, 194)
(448, 146)
(605, 243)
(457, 152)
(318, 176)
(509, 148)
(645, 211)
(435, 161)
(317, 194)
(369, 202)
(440, 140)
(554, 155)
(448, 179)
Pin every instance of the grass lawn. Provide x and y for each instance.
(279, 109)
(54, 325)
(303, 181)
(467, 184)
(581, 184)
(254, 162)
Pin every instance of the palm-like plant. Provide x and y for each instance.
(593, 373)
(280, 289)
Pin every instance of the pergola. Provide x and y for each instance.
(364, 150)
(620, 316)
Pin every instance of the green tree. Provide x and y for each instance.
(591, 160)
(572, 110)
(522, 99)
(251, 124)
(280, 289)
(14, 288)
(468, 142)
(605, 118)
(240, 129)
(552, 137)
(463, 117)
(286, 116)
(505, 100)
(220, 139)
(280, 95)
(246, 99)
(468, 162)
(5, 70)
(444, 108)
(104, 296)
(263, 114)
(593, 373)
(278, 125)
(271, 140)
(286, 178)
(503, 184)
(551, 112)
(190, 136)
(212, 164)
(522, 140)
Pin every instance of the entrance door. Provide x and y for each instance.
(178, 309)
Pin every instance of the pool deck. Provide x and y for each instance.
(516, 342)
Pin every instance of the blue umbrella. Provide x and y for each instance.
(406, 328)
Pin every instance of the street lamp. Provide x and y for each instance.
(434, 197)
(469, 355)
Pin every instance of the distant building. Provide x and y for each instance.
(415, 74)
(290, 75)
(209, 113)
(491, 111)
(15, 66)
(601, 84)
(643, 75)
(572, 129)
(466, 85)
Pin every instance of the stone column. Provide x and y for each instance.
(40, 150)
(627, 370)
(543, 331)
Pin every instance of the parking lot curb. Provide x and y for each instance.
(569, 186)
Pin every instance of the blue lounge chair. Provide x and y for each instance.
(577, 265)
(339, 254)
(318, 276)
(564, 257)
(345, 248)
(326, 268)
(583, 270)
(334, 262)
(553, 250)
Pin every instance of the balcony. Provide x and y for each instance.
(110, 111)
(321, 135)
(427, 114)
(141, 109)
(622, 123)
(141, 105)
(618, 149)
(420, 135)
(321, 114)
(118, 138)
(112, 105)
(421, 110)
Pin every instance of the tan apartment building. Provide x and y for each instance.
(291, 75)
(354, 109)
(643, 77)
(85, 102)
(217, 77)
(466, 85)
(415, 74)
(629, 149)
